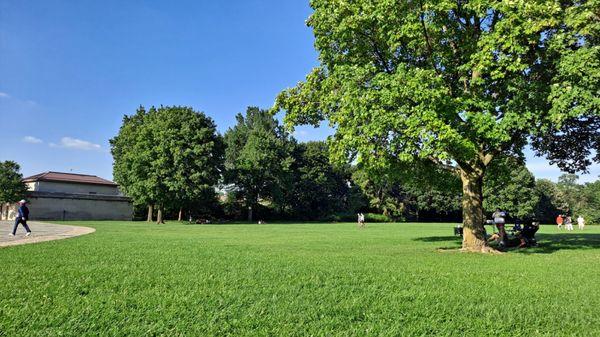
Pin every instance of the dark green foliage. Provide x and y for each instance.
(549, 204)
(568, 197)
(319, 189)
(571, 147)
(411, 191)
(12, 189)
(258, 158)
(170, 156)
(131, 168)
(510, 186)
(579, 199)
(384, 194)
(590, 205)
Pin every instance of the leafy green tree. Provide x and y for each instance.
(568, 197)
(319, 189)
(437, 201)
(590, 210)
(258, 158)
(510, 186)
(12, 188)
(569, 192)
(549, 204)
(170, 156)
(384, 193)
(455, 82)
(131, 157)
(188, 155)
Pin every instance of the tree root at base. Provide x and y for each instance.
(481, 249)
(478, 250)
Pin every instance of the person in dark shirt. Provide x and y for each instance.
(22, 218)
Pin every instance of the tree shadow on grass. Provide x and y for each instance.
(547, 243)
(453, 242)
(551, 243)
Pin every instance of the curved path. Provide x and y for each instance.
(41, 232)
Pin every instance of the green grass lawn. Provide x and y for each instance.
(143, 279)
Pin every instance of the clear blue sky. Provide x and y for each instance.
(69, 71)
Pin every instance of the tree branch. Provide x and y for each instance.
(427, 41)
(377, 51)
(444, 165)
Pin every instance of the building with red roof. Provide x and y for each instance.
(70, 196)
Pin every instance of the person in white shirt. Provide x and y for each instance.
(580, 222)
(361, 220)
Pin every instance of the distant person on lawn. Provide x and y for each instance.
(361, 220)
(22, 218)
(580, 222)
(559, 221)
(569, 223)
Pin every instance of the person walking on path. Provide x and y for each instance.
(580, 222)
(559, 221)
(569, 223)
(22, 218)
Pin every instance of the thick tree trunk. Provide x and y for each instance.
(159, 216)
(180, 214)
(473, 218)
(150, 213)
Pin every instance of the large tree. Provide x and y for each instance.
(258, 158)
(569, 191)
(12, 187)
(170, 156)
(319, 189)
(510, 186)
(456, 82)
(590, 208)
(131, 155)
(549, 202)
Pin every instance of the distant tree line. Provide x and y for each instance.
(568, 197)
(173, 163)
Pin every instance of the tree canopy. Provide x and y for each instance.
(319, 189)
(167, 156)
(454, 82)
(258, 158)
(12, 188)
(510, 186)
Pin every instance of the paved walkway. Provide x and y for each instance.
(40, 232)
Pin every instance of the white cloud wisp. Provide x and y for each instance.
(77, 144)
(32, 140)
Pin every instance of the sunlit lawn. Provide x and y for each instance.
(142, 279)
